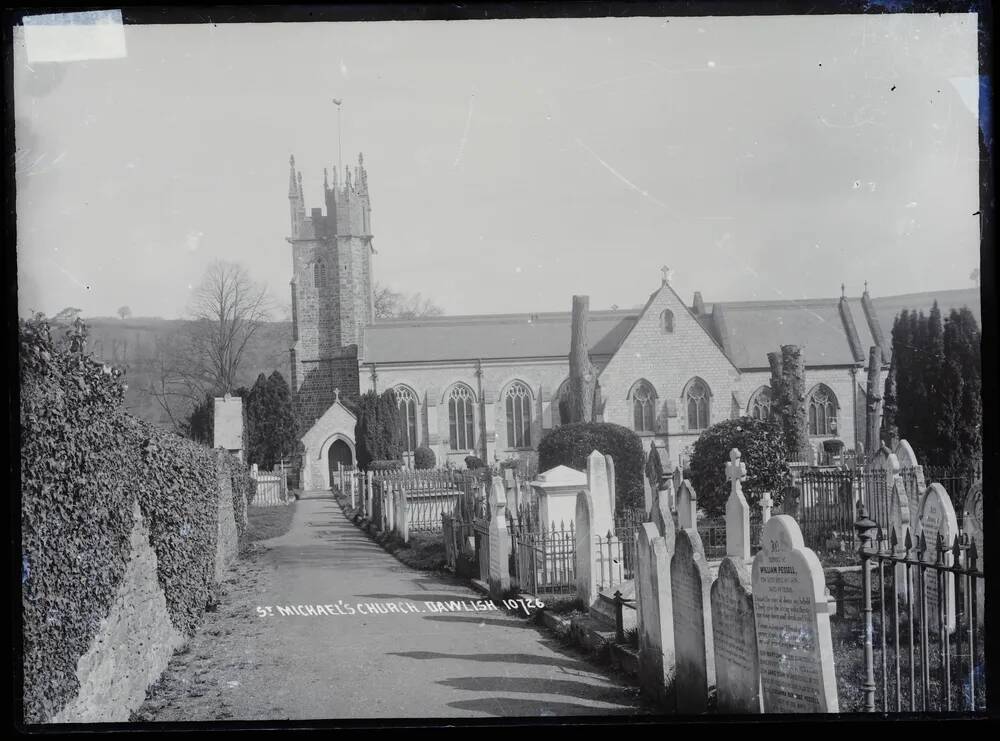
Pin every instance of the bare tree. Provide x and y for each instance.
(390, 304)
(171, 382)
(124, 312)
(227, 310)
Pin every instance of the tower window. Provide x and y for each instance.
(320, 274)
(461, 429)
(518, 416)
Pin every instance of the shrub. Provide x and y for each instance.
(762, 445)
(423, 457)
(473, 462)
(85, 464)
(385, 465)
(569, 445)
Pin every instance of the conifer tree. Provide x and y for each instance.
(284, 429)
(390, 429)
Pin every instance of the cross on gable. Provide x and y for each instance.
(336, 396)
(666, 274)
(736, 471)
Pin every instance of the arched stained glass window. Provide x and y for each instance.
(697, 399)
(518, 406)
(407, 417)
(822, 411)
(760, 403)
(461, 429)
(643, 407)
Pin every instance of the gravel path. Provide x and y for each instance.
(409, 663)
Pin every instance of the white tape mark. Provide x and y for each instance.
(73, 37)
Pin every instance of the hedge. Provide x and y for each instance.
(570, 445)
(762, 446)
(84, 464)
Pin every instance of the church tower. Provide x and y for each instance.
(332, 298)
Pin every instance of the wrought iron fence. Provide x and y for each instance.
(543, 562)
(924, 651)
(270, 491)
(956, 481)
(627, 524)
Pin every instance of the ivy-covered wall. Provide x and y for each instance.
(85, 464)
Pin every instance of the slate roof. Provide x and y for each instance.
(749, 330)
(746, 330)
(491, 336)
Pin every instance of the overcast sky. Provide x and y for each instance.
(511, 164)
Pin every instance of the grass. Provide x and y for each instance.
(564, 605)
(269, 522)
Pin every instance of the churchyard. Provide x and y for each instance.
(862, 591)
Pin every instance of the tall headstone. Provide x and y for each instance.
(792, 614)
(690, 586)
(887, 463)
(737, 510)
(734, 635)
(599, 486)
(651, 478)
(586, 551)
(661, 516)
(656, 628)
(499, 540)
(687, 506)
(227, 430)
(937, 517)
(610, 468)
(972, 525)
(914, 480)
(899, 522)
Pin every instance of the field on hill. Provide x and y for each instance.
(133, 344)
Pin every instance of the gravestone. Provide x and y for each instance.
(734, 635)
(687, 506)
(766, 503)
(499, 578)
(937, 517)
(656, 629)
(792, 614)
(737, 510)
(916, 486)
(599, 486)
(972, 525)
(651, 476)
(690, 588)
(899, 522)
(610, 468)
(586, 575)
(661, 516)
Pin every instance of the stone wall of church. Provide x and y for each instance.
(432, 385)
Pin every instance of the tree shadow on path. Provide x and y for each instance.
(498, 658)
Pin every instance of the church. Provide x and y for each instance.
(491, 385)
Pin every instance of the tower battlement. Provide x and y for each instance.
(331, 286)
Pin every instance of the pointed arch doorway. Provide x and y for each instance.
(340, 454)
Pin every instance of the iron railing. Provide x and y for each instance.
(924, 651)
(543, 562)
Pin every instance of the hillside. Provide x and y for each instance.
(131, 343)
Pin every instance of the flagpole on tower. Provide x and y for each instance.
(340, 158)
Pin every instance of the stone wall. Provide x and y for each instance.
(135, 641)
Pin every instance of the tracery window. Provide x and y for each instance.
(320, 273)
(518, 405)
(697, 400)
(760, 403)
(461, 429)
(407, 417)
(643, 407)
(822, 411)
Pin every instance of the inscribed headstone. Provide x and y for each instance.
(602, 512)
(734, 635)
(937, 517)
(656, 630)
(690, 588)
(609, 462)
(794, 645)
(899, 522)
(687, 506)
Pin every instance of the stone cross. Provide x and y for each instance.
(736, 471)
(666, 274)
(765, 507)
(737, 511)
(336, 396)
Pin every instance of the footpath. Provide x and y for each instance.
(306, 631)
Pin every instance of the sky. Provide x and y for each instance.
(511, 164)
